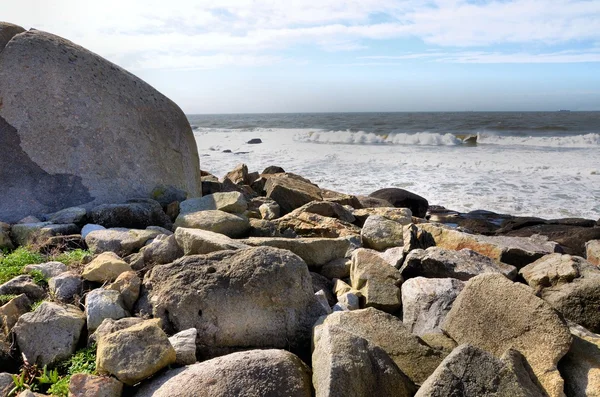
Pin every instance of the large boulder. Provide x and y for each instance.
(67, 141)
(7, 32)
(380, 233)
(85, 385)
(309, 224)
(427, 301)
(121, 241)
(216, 221)
(105, 267)
(50, 333)
(436, 262)
(516, 251)
(580, 367)
(401, 198)
(255, 297)
(101, 304)
(38, 232)
(472, 372)
(291, 191)
(198, 241)
(495, 314)
(136, 214)
(570, 284)
(345, 364)
(233, 202)
(249, 373)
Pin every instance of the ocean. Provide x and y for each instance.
(544, 164)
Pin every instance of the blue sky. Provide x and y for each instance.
(332, 55)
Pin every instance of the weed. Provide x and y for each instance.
(4, 299)
(12, 264)
(36, 304)
(39, 278)
(61, 387)
(71, 258)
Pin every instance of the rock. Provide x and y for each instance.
(248, 373)
(163, 249)
(416, 238)
(167, 194)
(6, 380)
(119, 240)
(61, 244)
(7, 32)
(373, 202)
(108, 326)
(337, 268)
(322, 283)
(580, 367)
(211, 186)
(5, 241)
(105, 267)
(85, 385)
(254, 141)
(439, 342)
(472, 372)
(135, 214)
(394, 256)
(232, 202)
(128, 285)
(66, 286)
(11, 311)
(90, 227)
(25, 234)
(273, 169)
(380, 233)
(251, 298)
(197, 241)
(23, 285)
(516, 251)
(340, 198)
(326, 209)
(592, 252)
(135, 353)
(340, 288)
(95, 111)
(570, 284)
(306, 224)
(291, 191)
(436, 262)
(50, 333)
(269, 211)
(347, 301)
(215, 221)
(495, 314)
(401, 198)
(316, 252)
(48, 269)
(378, 282)
(345, 364)
(239, 175)
(426, 301)
(414, 357)
(76, 215)
(101, 304)
(29, 219)
(400, 215)
(184, 343)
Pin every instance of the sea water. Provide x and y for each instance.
(544, 164)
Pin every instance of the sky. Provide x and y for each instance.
(245, 56)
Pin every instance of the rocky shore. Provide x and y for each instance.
(271, 286)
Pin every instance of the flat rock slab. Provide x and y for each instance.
(231, 225)
(495, 314)
(437, 262)
(248, 373)
(516, 251)
(198, 241)
(233, 202)
(121, 241)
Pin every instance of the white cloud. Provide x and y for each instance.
(188, 33)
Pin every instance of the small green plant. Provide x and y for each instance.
(39, 278)
(36, 304)
(26, 379)
(82, 362)
(12, 264)
(48, 377)
(71, 258)
(61, 387)
(4, 299)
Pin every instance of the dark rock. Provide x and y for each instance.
(37, 233)
(63, 243)
(166, 194)
(254, 141)
(401, 198)
(322, 283)
(341, 198)
(7, 32)
(67, 141)
(210, 187)
(23, 285)
(136, 214)
(273, 169)
(572, 239)
(372, 202)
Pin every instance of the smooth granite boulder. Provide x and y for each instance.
(401, 198)
(92, 134)
(7, 32)
(291, 191)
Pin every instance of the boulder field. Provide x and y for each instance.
(120, 279)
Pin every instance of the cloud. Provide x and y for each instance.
(188, 33)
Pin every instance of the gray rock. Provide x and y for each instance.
(34, 233)
(6, 380)
(215, 221)
(495, 314)
(128, 285)
(108, 326)
(97, 112)
(135, 214)
(322, 283)
(232, 202)
(322, 300)
(316, 252)
(249, 373)
(570, 284)
(22, 285)
(394, 256)
(516, 251)
(255, 297)
(426, 301)
(337, 268)
(7, 32)
(347, 301)
(163, 249)
(269, 211)
(119, 240)
(11, 311)
(472, 372)
(90, 227)
(48, 269)
(327, 209)
(291, 191)
(50, 333)
(101, 304)
(66, 286)
(184, 343)
(167, 194)
(412, 355)
(380, 233)
(197, 241)
(345, 364)
(76, 215)
(400, 215)
(378, 282)
(436, 262)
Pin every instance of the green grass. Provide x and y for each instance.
(12, 264)
(71, 258)
(4, 299)
(82, 362)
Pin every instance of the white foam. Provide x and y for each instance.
(369, 138)
(549, 182)
(574, 141)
